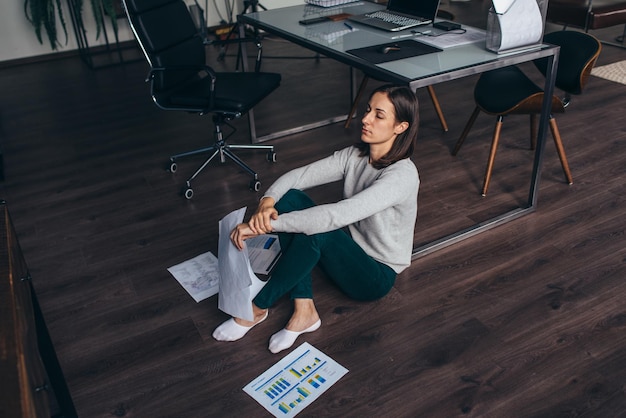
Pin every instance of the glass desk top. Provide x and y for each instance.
(334, 38)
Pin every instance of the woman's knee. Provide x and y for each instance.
(294, 200)
(364, 283)
(370, 294)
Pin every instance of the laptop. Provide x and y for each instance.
(400, 15)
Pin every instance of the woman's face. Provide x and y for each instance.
(380, 127)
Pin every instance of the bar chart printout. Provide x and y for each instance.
(294, 382)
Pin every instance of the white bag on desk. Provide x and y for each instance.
(513, 24)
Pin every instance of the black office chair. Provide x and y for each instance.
(508, 91)
(181, 80)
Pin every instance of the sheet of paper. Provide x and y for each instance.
(199, 276)
(264, 252)
(454, 38)
(294, 382)
(238, 284)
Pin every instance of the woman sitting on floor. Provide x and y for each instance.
(379, 208)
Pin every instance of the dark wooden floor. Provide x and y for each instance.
(528, 319)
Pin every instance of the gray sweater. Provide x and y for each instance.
(379, 206)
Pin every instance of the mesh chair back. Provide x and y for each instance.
(169, 39)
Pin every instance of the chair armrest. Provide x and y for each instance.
(198, 69)
(205, 68)
(230, 41)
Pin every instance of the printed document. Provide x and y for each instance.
(294, 382)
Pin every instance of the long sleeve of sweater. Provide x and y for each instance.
(379, 206)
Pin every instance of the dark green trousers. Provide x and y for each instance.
(357, 274)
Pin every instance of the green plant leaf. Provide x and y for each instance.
(109, 10)
(42, 14)
(97, 15)
(62, 19)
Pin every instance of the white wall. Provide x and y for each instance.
(18, 40)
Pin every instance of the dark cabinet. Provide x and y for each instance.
(32, 381)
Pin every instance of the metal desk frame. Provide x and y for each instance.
(273, 21)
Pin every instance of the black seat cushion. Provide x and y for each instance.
(500, 91)
(235, 93)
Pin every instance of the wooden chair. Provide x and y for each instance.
(508, 91)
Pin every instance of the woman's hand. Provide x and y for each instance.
(241, 233)
(260, 221)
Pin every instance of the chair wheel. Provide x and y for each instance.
(188, 193)
(173, 167)
(255, 185)
(271, 156)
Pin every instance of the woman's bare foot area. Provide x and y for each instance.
(259, 315)
(304, 315)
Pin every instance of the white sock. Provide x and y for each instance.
(284, 338)
(232, 331)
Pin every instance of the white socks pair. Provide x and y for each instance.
(232, 331)
(282, 340)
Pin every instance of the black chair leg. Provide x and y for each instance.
(216, 150)
(466, 131)
(221, 148)
(356, 101)
(620, 39)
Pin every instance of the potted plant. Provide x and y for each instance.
(43, 15)
(102, 8)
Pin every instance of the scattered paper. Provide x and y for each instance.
(238, 283)
(294, 382)
(454, 38)
(199, 276)
(264, 252)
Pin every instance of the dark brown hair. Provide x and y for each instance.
(406, 109)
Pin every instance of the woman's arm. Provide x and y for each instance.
(258, 224)
(240, 233)
(260, 221)
(395, 185)
(324, 171)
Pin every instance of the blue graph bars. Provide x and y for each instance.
(286, 407)
(279, 389)
(276, 388)
(315, 384)
(296, 381)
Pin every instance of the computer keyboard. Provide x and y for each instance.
(396, 19)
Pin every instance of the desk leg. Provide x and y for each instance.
(546, 109)
(535, 178)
